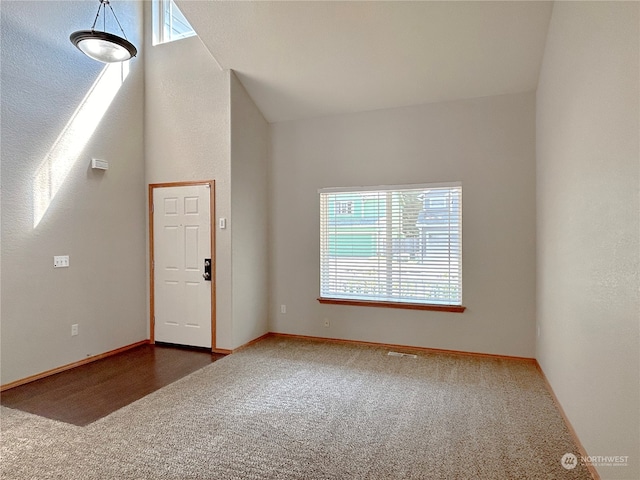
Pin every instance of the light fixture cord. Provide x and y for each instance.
(103, 4)
(95, 20)
(114, 16)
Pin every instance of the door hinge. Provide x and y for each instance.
(152, 208)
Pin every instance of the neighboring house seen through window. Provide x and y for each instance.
(344, 208)
(399, 244)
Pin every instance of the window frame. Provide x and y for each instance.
(388, 302)
(159, 23)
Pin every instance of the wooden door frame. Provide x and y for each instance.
(212, 230)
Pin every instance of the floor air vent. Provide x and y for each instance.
(398, 354)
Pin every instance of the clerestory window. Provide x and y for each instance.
(169, 24)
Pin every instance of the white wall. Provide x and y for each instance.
(95, 217)
(187, 138)
(488, 144)
(249, 150)
(588, 224)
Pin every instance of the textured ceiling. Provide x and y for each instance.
(309, 59)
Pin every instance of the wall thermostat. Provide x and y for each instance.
(98, 164)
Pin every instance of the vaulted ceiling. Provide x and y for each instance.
(308, 59)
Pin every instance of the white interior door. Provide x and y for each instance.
(182, 242)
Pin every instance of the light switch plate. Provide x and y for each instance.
(60, 261)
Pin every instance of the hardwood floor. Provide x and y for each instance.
(84, 394)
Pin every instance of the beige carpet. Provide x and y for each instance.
(292, 409)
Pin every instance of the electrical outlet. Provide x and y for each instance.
(326, 323)
(283, 309)
(74, 329)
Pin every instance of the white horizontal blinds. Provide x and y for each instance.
(394, 244)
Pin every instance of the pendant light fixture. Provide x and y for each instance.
(102, 46)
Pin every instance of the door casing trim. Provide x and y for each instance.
(212, 230)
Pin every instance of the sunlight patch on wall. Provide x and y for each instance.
(65, 151)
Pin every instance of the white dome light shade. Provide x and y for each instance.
(102, 46)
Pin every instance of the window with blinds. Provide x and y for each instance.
(400, 244)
